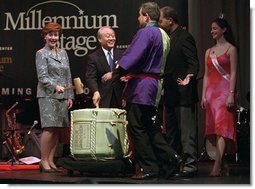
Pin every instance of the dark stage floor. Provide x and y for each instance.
(234, 174)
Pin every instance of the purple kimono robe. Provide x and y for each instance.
(144, 56)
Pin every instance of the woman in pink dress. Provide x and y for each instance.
(218, 94)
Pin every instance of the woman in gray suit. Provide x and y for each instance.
(53, 71)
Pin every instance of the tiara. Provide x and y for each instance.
(221, 16)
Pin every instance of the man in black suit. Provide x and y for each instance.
(99, 69)
(180, 92)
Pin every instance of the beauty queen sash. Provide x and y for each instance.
(216, 64)
(223, 73)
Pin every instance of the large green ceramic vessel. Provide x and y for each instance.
(98, 134)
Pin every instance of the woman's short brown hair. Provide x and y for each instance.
(51, 27)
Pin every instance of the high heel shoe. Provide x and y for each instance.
(43, 170)
(57, 170)
(215, 174)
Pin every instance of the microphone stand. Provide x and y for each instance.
(13, 159)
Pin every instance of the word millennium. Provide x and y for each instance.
(34, 20)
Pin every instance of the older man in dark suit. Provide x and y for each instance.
(100, 65)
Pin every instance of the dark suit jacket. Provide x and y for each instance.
(182, 60)
(97, 66)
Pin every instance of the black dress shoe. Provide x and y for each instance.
(185, 174)
(177, 160)
(144, 176)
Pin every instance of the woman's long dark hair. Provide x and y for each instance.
(228, 34)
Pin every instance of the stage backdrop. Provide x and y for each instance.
(20, 28)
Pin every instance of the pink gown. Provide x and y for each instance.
(219, 120)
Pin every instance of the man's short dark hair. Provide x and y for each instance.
(152, 9)
(169, 12)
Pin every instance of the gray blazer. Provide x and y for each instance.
(53, 71)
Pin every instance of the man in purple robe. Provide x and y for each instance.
(143, 64)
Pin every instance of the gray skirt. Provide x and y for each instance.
(53, 112)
